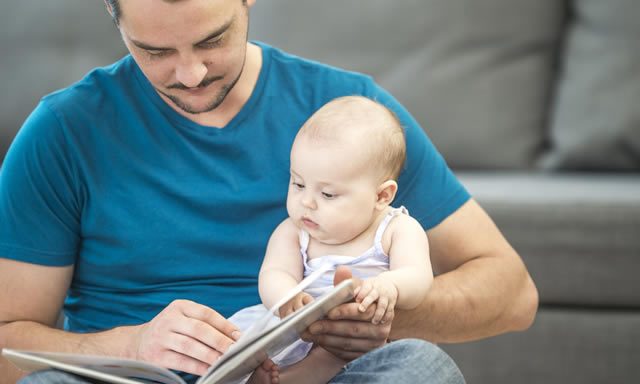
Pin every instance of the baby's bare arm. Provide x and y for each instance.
(410, 264)
(406, 283)
(282, 267)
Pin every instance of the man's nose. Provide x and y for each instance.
(191, 70)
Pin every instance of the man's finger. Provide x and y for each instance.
(180, 362)
(350, 311)
(190, 347)
(211, 317)
(349, 329)
(204, 333)
(345, 344)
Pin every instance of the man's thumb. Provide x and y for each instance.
(342, 273)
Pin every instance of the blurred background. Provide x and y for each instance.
(532, 103)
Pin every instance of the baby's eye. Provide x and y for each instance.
(298, 185)
(328, 195)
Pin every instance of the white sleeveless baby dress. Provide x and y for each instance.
(371, 263)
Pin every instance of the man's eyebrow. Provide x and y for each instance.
(212, 35)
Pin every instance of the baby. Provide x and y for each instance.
(345, 161)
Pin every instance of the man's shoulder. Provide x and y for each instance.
(305, 70)
(92, 89)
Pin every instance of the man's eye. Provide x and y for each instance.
(211, 43)
(328, 195)
(157, 53)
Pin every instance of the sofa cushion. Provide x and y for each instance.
(476, 75)
(564, 345)
(47, 45)
(578, 234)
(596, 122)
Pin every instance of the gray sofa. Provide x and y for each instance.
(531, 103)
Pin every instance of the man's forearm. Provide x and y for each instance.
(35, 336)
(484, 297)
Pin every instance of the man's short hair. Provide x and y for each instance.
(116, 11)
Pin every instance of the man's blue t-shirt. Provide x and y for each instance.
(151, 207)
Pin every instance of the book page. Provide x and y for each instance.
(108, 369)
(270, 320)
(240, 361)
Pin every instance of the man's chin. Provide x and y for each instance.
(194, 109)
(190, 108)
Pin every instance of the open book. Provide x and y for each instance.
(264, 338)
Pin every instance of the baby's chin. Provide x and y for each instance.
(326, 239)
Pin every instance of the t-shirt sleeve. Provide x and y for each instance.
(39, 189)
(427, 187)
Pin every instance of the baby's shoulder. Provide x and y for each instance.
(401, 224)
(286, 229)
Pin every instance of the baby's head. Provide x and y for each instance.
(344, 164)
(368, 132)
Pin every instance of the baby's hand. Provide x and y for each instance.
(381, 290)
(297, 302)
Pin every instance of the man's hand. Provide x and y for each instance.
(185, 336)
(297, 302)
(348, 333)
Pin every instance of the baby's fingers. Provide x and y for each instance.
(362, 291)
(368, 300)
(381, 308)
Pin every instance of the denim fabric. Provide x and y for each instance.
(403, 361)
(55, 377)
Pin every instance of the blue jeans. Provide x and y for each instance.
(403, 361)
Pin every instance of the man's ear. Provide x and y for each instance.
(111, 11)
(386, 192)
(107, 5)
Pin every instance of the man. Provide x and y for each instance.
(144, 195)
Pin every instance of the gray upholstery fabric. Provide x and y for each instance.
(578, 234)
(47, 45)
(596, 122)
(563, 346)
(477, 75)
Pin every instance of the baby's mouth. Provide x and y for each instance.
(309, 223)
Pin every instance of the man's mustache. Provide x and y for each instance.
(203, 84)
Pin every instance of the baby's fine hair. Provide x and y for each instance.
(370, 123)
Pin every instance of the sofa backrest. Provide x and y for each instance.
(496, 84)
(47, 45)
(476, 74)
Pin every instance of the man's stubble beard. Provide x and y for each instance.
(222, 95)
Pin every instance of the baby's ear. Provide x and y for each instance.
(386, 193)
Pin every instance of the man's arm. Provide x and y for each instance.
(185, 335)
(482, 288)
